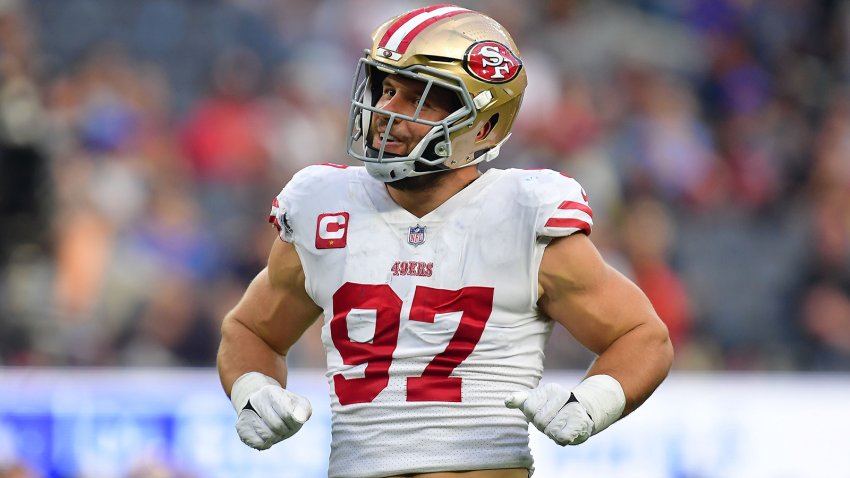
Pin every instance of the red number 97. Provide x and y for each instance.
(435, 383)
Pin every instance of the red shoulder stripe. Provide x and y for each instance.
(576, 205)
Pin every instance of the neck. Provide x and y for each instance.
(420, 202)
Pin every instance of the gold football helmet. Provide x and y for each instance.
(447, 47)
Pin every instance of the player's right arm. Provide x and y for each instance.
(255, 338)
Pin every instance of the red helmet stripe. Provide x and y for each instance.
(402, 47)
(404, 19)
(402, 32)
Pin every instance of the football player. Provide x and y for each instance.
(437, 285)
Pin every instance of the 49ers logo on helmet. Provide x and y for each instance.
(491, 61)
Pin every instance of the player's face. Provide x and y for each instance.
(402, 95)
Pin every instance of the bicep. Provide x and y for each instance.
(275, 306)
(596, 303)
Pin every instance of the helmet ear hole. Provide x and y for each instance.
(487, 128)
(494, 120)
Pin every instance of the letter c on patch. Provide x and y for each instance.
(332, 230)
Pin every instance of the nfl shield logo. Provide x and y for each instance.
(416, 235)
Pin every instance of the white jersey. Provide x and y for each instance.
(431, 322)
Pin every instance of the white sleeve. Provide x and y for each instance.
(563, 206)
(290, 203)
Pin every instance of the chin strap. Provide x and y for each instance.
(491, 153)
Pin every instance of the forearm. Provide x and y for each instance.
(639, 360)
(241, 351)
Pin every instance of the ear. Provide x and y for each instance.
(484, 131)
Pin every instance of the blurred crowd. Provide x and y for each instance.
(142, 143)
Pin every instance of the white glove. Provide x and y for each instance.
(268, 413)
(570, 418)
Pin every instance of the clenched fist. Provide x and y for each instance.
(270, 414)
(571, 417)
(554, 411)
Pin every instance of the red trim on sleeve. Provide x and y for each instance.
(568, 222)
(576, 205)
(274, 222)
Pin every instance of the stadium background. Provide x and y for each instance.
(142, 143)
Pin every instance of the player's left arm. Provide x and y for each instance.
(608, 314)
(612, 317)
